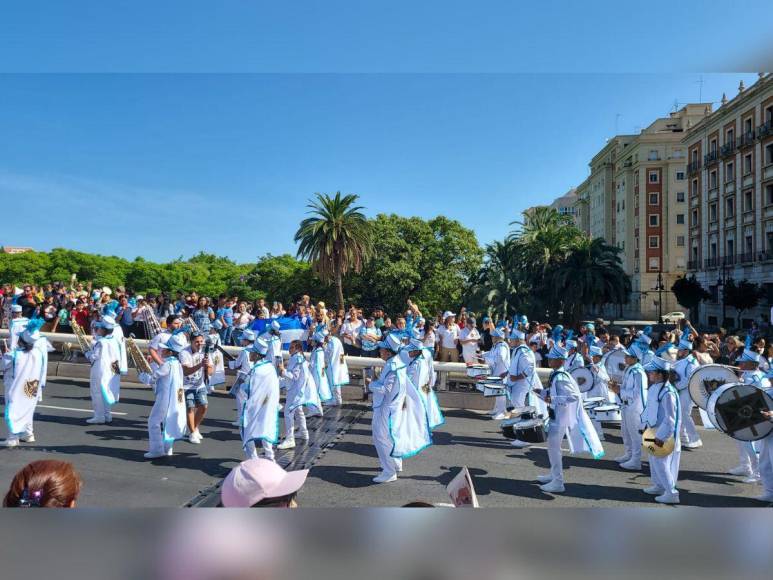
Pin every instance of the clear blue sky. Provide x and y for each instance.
(167, 164)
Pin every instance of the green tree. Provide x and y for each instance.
(498, 288)
(742, 296)
(26, 268)
(285, 279)
(335, 239)
(689, 293)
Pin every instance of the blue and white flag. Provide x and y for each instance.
(290, 328)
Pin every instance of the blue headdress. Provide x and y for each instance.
(35, 324)
(748, 342)
(556, 336)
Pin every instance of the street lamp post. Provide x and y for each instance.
(721, 281)
(659, 287)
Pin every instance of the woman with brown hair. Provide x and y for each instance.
(47, 483)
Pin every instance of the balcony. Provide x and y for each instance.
(711, 262)
(693, 168)
(730, 186)
(745, 258)
(728, 260)
(711, 159)
(765, 129)
(728, 149)
(746, 140)
(692, 264)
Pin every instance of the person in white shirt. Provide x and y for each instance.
(174, 324)
(301, 392)
(498, 360)
(350, 333)
(195, 362)
(448, 333)
(469, 338)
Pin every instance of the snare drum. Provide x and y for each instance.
(592, 402)
(477, 371)
(490, 389)
(606, 414)
(531, 431)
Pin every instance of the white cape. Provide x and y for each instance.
(318, 373)
(301, 390)
(337, 371)
(260, 411)
(22, 387)
(105, 368)
(422, 374)
(170, 397)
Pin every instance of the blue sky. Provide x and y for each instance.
(167, 165)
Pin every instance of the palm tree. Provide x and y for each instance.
(335, 239)
(497, 288)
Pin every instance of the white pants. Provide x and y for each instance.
(664, 471)
(101, 410)
(518, 393)
(500, 405)
(556, 433)
(630, 431)
(383, 442)
(251, 452)
(156, 429)
(337, 399)
(747, 456)
(240, 399)
(766, 464)
(689, 433)
(290, 417)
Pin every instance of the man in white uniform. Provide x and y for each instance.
(16, 325)
(301, 392)
(242, 367)
(498, 360)
(522, 375)
(633, 397)
(685, 365)
(422, 375)
(105, 373)
(260, 414)
(766, 455)
(337, 371)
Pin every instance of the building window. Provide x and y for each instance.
(654, 198)
(713, 179)
(623, 206)
(713, 251)
(730, 137)
(730, 171)
(749, 245)
(713, 147)
(695, 156)
(695, 253)
(680, 175)
(769, 194)
(654, 176)
(769, 154)
(748, 201)
(653, 156)
(654, 264)
(654, 242)
(747, 126)
(730, 247)
(680, 197)
(654, 220)
(680, 241)
(730, 206)
(747, 164)
(713, 212)
(695, 187)
(769, 115)
(680, 219)
(694, 218)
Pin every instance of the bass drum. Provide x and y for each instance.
(707, 379)
(736, 410)
(584, 378)
(614, 363)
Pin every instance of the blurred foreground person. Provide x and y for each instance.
(47, 483)
(262, 483)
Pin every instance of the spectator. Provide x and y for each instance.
(448, 334)
(225, 314)
(203, 315)
(49, 313)
(469, 338)
(28, 302)
(47, 483)
(429, 337)
(262, 483)
(350, 332)
(124, 315)
(488, 326)
(242, 320)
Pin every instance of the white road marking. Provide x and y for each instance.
(73, 409)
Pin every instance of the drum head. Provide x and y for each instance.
(614, 363)
(583, 377)
(523, 411)
(736, 410)
(529, 424)
(707, 379)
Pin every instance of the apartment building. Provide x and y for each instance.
(730, 174)
(650, 209)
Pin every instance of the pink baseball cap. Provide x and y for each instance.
(254, 480)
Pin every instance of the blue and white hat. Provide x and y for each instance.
(31, 331)
(522, 319)
(320, 334)
(414, 344)
(749, 355)
(248, 335)
(107, 322)
(644, 338)
(596, 351)
(634, 351)
(558, 352)
(517, 334)
(391, 342)
(497, 333)
(260, 346)
(275, 325)
(111, 307)
(571, 343)
(16, 308)
(685, 343)
(657, 364)
(176, 343)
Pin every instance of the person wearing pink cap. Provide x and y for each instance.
(261, 483)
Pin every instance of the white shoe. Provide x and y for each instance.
(518, 444)
(383, 478)
(741, 470)
(108, 418)
(28, 438)
(286, 444)
(766, 497)
(622, 458)
(95, 421)
(631, 465)
(753, 478)
(499, 416)
(193, 438)
(547, 478)
(654, 490)
(693, 445)
(10, 443)
(553, 487)
(236, 423)
(169, 452)
(154, 454)
(668, 498)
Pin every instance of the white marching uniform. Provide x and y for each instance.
(574, 361)
(633, 397)
(301, 392)
(23, 378)
(523, 362)
(747, 450)
(120, 339)
(242, 367)
(600, 388)
(498, 360)
(274, 347)
(663, 413)
(15, 327)
(319, 373)
(167, 421)
(684, 368)
(260, 412)
(104, 376)
(421, 372)
(337, 371)
(218, 375)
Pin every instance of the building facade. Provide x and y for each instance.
(730, 173)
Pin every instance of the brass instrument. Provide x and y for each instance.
(138, 359)
(151, 323)
(84, 341)
(188, 321)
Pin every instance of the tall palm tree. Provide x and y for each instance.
(335, 239)
(497, 288)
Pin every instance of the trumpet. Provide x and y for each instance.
(151, 323)
(188, 321)
(84, 342)
(140, 362)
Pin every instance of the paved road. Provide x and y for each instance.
(110, 460)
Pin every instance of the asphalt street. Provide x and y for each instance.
(109, 458)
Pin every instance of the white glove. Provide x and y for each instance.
(145, 378)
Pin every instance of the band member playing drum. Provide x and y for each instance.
(682, 371)
(522, 375)
(575, 359)
(766, 463)
(662, 413)
(633, 396)
(600, 383)
(498, 360)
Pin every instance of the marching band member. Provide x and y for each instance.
(16, 325)
(633, 397)
(167, 419)
(335, 363)
(498, 360)
(600, 383)
(242, 367)
(522, 375)
(575, 359)
(260, 412)
(24, 370)
(273, 338)
(399, 424)
(766, 456)
(317, 365)
(215, 343)
(195, 362)
(567, 417)
(301, 392)
(685, 365)
(643, 342)
(421, 373)
(110, 310)
(105, 373)
(663, 414)
(174, 327)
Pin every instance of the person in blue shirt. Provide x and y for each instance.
(225, 314)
